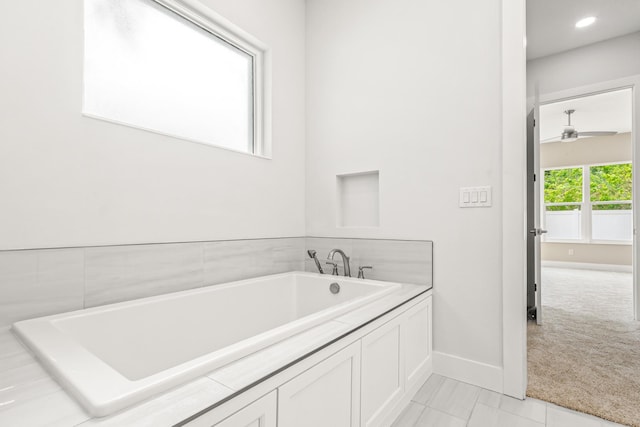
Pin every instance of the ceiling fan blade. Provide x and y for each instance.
(598, 133)
(553, 138)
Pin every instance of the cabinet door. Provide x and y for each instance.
(327, 395)
(382, 372)
(417, 339)
(261, 413)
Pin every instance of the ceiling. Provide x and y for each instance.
(551, 23)
(603, 112)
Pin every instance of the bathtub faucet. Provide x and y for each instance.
(345, 262)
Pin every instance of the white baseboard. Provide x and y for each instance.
(588, 266)
(468, 371)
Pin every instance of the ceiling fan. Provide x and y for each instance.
(570, 134)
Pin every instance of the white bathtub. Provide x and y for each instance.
(112, 356)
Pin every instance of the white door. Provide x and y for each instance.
(537, 206)
(534, 214)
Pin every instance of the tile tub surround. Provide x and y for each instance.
(40, 282)
(244, 259)
(120, 273)
(33, 398)
(402, 261)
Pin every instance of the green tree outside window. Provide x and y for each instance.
(611, 183)
(563, 186)
(607, 183)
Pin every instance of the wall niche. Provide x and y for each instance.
(359, 199)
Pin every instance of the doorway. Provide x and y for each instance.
(584, 348)
(594, 74)
(583, 190)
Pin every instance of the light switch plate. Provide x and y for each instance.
(475, 197)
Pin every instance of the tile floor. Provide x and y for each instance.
(443, 402)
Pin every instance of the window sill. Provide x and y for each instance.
(182, 138)
(593, 242)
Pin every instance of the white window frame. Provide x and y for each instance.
(585, 206)
(213, 23)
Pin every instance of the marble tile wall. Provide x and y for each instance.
(39, 282)
(404, 261)
(251, 258)
(119, 273)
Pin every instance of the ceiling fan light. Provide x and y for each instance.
(569, 136)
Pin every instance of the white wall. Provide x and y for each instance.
(588, 253)
(68, 180)
(607, 60)
(393, 86)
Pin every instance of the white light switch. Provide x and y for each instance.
(475, 197)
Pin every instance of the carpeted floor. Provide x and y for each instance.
(586, 355)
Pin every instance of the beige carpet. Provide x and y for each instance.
(586, 355)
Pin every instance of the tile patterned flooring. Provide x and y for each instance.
(444, 402)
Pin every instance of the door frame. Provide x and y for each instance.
(633, 83)
(514, 280)
(514, 221)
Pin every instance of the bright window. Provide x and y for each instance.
(563, 203)
(589, 203)
(148, 67)
(611, 194)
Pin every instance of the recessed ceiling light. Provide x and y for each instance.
(585, 22)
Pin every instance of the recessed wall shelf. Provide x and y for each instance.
(359, 199)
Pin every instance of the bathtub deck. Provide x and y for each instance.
(29, 396)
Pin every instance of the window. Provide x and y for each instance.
(563, 203)
(149, 67)
(589, 203)
(611, 194)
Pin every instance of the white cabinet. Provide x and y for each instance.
(396, 359)
(365, 384)
(417, 341)
(382, 372)
(326, 395)
(261, 413)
